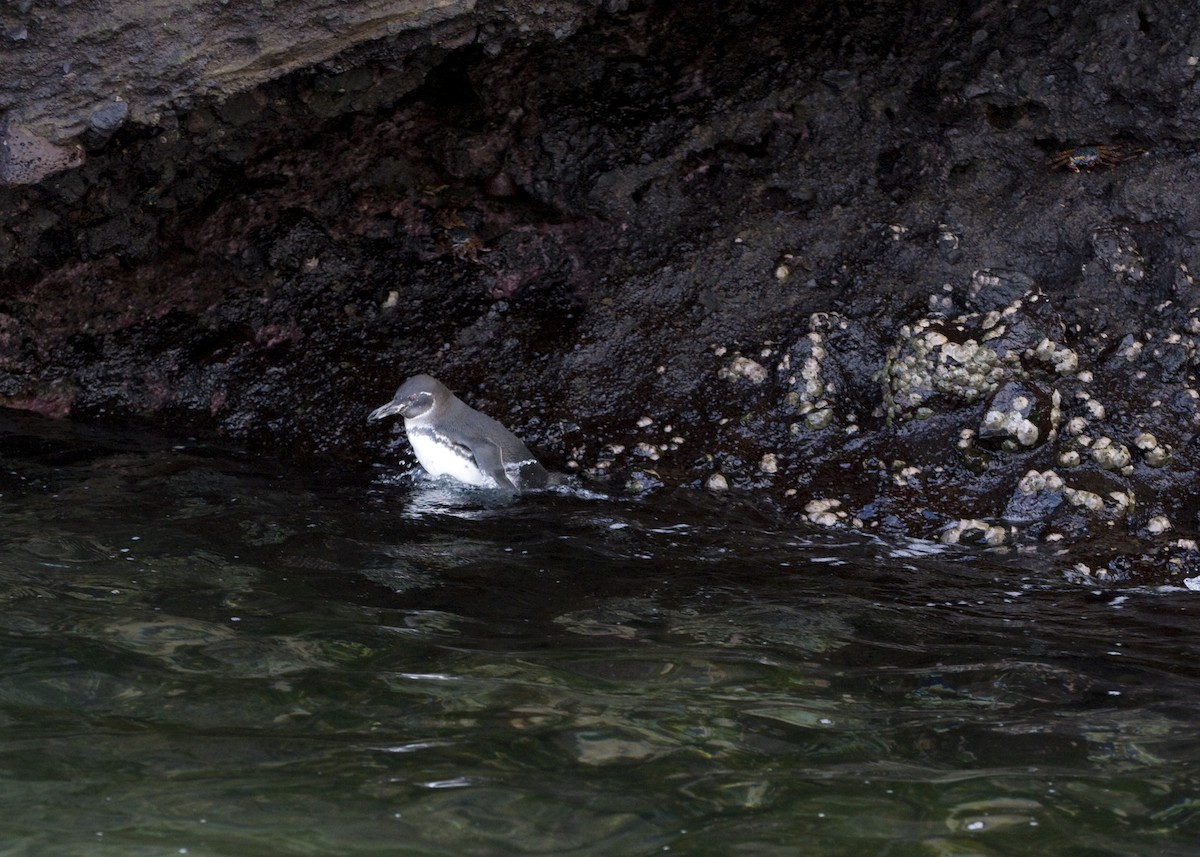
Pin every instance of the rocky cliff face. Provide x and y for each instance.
(75, 73)
(920, 271)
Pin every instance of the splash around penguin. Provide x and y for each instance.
(450, 438)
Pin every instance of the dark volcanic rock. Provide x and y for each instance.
(69, 69)
(835, 256)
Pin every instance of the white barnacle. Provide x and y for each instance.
(717, 482)
(905, 475)
(1031, 483)
(962, 352)
(1066, 361)
(934, 339)
(1158, 525)
(647, 450)
(1124, 501)
(989, 534)
(819, 418)
(824, 512)
(995, 536)
(993, 421)
(1076, 426)
(1158, 456)
(1069, 458)
(744, 367)
(1087, 499)
(821, 504)
(1110, 455)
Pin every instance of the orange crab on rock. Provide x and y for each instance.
(1088, 158)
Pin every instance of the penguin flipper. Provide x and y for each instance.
(490, 458)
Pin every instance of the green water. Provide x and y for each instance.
(217, 654)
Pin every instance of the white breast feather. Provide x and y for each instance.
(441, 459)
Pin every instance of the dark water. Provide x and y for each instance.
(216, 654)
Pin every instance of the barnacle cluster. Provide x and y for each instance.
(826, 512)
(1155, 454)
(745, 368)
(813, 390)
(999, 369)
(1020, 416)
(961, 360)
(926, 362)
(971, 531)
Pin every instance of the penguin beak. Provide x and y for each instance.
(392, 407)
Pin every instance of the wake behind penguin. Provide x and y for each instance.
(450, 438)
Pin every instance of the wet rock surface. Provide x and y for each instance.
(855, 263)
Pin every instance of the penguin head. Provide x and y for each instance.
(416, 398)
